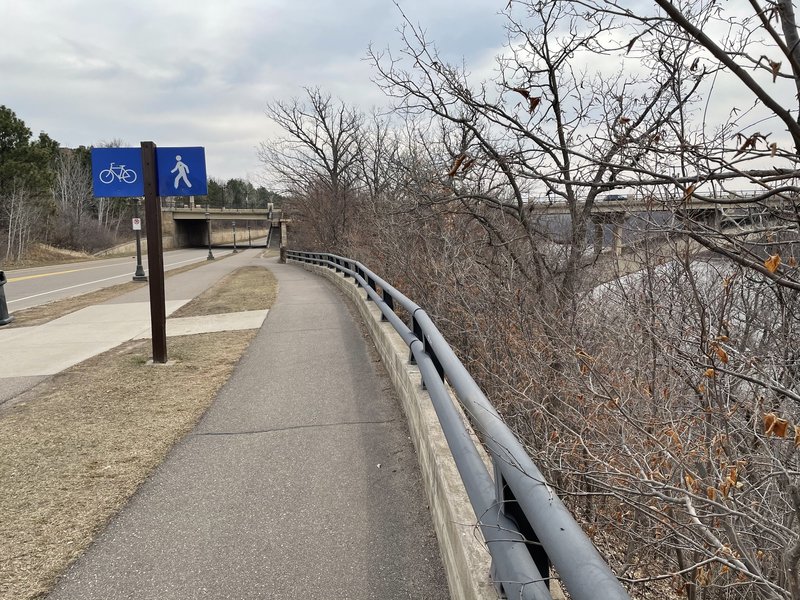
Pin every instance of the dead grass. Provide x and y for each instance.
(76, 447)
(248, 288)
(40, 255)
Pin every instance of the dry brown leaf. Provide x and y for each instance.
(774, 148)
(792, 262)
(748, 143)
(723, 356)
(710, 373)
(702, 576)
(711, 492)
(797, 436)
(525, 93)
(769, 422)
(459, 159)
(688, 193)
(724, 488)
(733, 476)
(776, 68)
(773, 262)
(774, 425)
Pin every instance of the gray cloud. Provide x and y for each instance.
(200, 72)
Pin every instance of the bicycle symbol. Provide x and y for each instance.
(118, 172)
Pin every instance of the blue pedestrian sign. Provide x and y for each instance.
(117, 172)
(181, 171)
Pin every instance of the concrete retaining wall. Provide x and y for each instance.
(466, 560)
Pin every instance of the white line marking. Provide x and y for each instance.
(71, 287)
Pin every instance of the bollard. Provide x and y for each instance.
(5, 318)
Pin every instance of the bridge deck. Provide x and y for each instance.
(221, 214)
(300, 481)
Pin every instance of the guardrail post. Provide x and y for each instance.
(389, 301)
(434, 359)
(511, 509)
(371, 284)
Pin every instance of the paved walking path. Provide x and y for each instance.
(300, 481)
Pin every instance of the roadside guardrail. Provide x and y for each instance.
(524, 523)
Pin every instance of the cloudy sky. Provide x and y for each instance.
(199, 72)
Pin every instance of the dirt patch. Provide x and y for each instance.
(248, 288)
(76, 447)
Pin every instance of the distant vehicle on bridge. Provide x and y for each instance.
(614, 197)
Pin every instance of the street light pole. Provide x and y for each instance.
(249, 239)
(235, 251)
(208, 232)
(139, 273)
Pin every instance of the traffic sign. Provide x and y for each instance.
(117, 172)
(181, 171)
(137, 223)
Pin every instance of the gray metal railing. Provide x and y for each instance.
(524, 523)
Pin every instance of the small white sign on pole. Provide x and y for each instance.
(137, 224)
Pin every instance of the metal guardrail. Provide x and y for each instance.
(524, 523)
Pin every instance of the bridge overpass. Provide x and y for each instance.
(188, 227)
(616, 210)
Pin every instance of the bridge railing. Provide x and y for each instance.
(524, 523)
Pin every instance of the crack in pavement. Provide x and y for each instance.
(290, 428)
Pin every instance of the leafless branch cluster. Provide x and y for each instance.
(657, 389)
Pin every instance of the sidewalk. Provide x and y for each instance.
(50, 348)
(300, 481)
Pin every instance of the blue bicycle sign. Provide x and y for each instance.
(117, 172)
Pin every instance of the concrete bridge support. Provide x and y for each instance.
(617, 221)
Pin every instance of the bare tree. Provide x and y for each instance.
(317, 161)
(22, 214)
(72, 191)
(668, 404)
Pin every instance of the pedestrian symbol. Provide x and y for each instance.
(181, 171)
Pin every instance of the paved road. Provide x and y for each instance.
(31, 287)
(300, 482)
